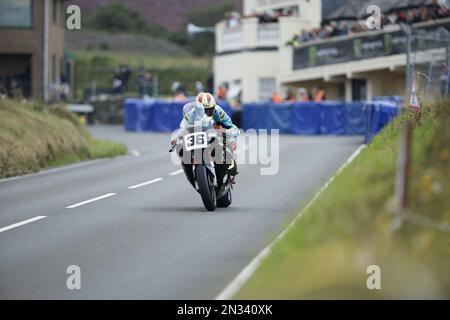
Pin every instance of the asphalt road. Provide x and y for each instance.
(153, 241)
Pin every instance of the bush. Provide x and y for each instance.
(34, 136)
(116, 18)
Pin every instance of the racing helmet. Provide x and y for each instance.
(207, 101)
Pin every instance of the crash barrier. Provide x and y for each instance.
(334, 118)
(327, 118)
(377, 115)
(156, 114)
(398, 100)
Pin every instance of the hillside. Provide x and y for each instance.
(171, 14)
(132, 43)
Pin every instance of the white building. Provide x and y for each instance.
(249, 56)
(254, 57)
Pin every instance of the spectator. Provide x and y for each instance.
(232, 19)
(198, 87)
(124, 72)
(65, 91)
(117, 84)
(290, 97)
(319, 94)
(222, 93)
(267, 17)
(303, 95)
(436, 10)
(179, 96)
(144, 80)
(276, 98)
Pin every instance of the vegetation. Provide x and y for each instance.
(117, 17)
(35, 136)
(353, 225)
(120, 19)
(101, 66)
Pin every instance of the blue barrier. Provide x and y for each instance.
(398, 100)
(377, 115)
(327, 118)
(156, 115)
(334, 118)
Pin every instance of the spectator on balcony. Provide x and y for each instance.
(232, 19)
(442, 12)
(267, 17)
(402, 17)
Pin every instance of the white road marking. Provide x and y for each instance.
(18, 224)
(145, 183)
(91, 200)
(176, 172)
(233, 288)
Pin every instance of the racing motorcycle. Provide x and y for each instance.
(203, 153)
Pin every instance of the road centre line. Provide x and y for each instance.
(91, 200)
(176, 172)
(146, 183)
(18, 224)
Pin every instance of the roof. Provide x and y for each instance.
(352, 9)
(349, 10)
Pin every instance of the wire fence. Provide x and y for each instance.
(429, 69)
(431, 66)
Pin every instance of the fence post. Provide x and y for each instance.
(155, 86)
(403, 164)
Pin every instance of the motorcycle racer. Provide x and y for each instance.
(205, 104)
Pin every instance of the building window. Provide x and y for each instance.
(16, 13)
(267, 86)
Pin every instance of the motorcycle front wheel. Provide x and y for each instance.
(206, 188)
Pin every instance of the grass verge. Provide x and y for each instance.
(34, 136)
(352, 226)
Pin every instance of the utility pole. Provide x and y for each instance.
(46, 53)
(408, 32)
(403, 159)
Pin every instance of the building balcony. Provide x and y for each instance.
(252, 35)
(364, 52)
